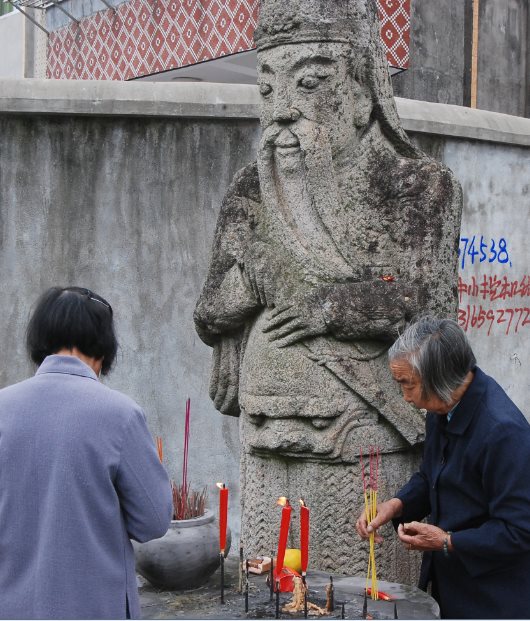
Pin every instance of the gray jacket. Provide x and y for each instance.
(79, 476)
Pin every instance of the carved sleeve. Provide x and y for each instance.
(227, 299)
(426, 215)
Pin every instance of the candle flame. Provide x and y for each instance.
(302, 502)
(221, 485)
(283, 501)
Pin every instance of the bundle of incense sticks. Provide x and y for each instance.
(370, 505)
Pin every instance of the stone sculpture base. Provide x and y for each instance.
(334, 494)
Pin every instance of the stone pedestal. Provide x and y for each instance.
(334, 495)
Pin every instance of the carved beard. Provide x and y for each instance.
(300, 195)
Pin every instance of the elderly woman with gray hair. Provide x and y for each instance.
(473, 483)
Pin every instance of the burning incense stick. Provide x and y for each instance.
(186, 444)
(160, 448)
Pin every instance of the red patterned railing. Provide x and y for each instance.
(145, 36)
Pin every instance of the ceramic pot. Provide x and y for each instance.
(185, 557)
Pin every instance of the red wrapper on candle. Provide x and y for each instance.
(223, 515)
(284, 533)
(304, 535)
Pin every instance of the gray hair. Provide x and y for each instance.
(438, 350)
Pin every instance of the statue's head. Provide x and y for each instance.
(321, 61)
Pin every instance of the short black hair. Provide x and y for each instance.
(68, 317)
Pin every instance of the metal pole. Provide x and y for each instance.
(31, 19)
(222, 559)
(56, 3)
(246, 585)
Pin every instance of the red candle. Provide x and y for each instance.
(284, 533)
(304, 535)
(223, 515)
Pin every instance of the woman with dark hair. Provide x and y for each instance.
(79, 472)
(473, 483)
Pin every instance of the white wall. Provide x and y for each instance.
(12, 45)
(494, 288)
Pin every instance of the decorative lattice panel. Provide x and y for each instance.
(395, 31)
(148, 36)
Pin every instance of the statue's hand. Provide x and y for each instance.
(289, 324)
(224, 381)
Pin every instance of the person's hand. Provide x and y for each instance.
(422, 537)
(289, 324)
(386, 511)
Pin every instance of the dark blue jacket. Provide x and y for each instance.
(475, 481)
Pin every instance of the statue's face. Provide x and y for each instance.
(311, 81)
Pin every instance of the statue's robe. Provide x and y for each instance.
(374, 259)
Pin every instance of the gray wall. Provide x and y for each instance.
(503, 59)
(437, 60)
(118, 190)
(440, 54)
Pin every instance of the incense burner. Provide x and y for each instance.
(185, 557)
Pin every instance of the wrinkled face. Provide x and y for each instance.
(310, 81)
(410, 383)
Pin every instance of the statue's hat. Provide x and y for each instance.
(297, 21)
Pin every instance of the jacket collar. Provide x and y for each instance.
(68, 365)
(469, 404)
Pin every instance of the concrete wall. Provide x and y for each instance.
(116, 187)
(494, 284)
(440, 54)
(12, 45)
(437, 60)
(503, 59)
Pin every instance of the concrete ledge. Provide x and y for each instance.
(232, 101)
(135, 98)
(460, 122)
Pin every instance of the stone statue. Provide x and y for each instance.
(339, 235)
